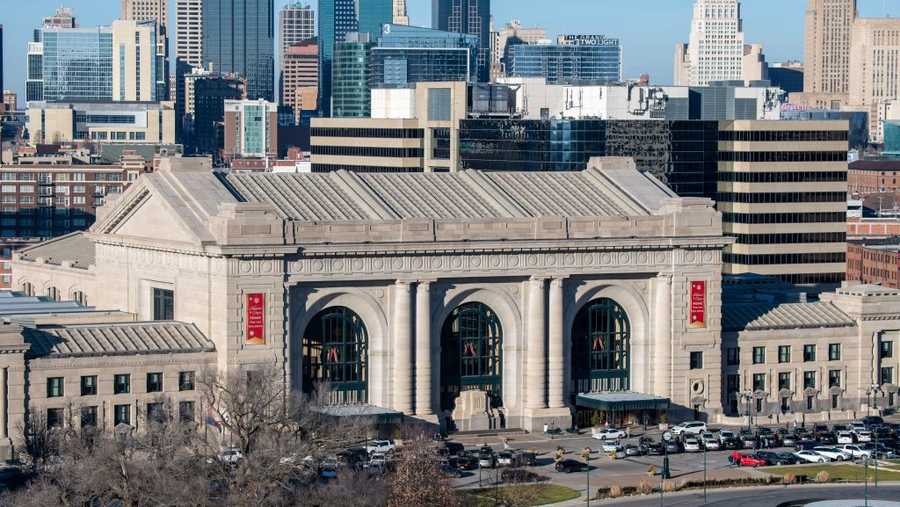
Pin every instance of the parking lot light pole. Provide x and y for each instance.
(866, 461)
(705, 500)
(586, 454)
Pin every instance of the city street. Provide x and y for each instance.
(757, 497)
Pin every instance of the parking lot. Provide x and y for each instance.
(607, 471)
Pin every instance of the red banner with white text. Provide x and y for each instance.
(698, 304)
(256, 319)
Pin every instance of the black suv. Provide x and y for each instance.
(570, 465)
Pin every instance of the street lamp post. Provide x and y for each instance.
(586, 454)
(705, 499)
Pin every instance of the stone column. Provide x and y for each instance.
(535, 374)
(662, 335)
(556, 357)
(424, 403)
(403, 331)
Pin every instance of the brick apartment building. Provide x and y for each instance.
(874, 261)
(44, 201)
(873, 176)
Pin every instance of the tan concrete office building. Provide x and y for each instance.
(134, 70)
(146, 10)
(114, 122)
(827, 47)
(399, 137)
(299, 69)
(783, 195)
(874, 59)
(189, 32)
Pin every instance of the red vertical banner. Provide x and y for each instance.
(256, 319)
(698, 304)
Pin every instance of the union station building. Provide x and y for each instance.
(473, 300)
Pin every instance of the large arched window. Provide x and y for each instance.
(471, 354)
(601, 339)
(335, 351)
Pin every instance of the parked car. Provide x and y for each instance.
(725, 435)
(732, 444)
(819, 429)
(692, 445)
(864, 436)
(776, 458)
(526, 458)
(806, 445)
(656, 448)
(454, 448)
(748, 440)
(635, 450)
(467, 462)
(674, 447)
(380, 446)
(689, 428)
(450, 471)
(231, 455)
(858, 451)
(505, 459)
(828, 438)
(810, 457)
(884, 452)
(833, 453)
(354, 457)
(856, 426)
(609, 434)
(871, 421)
(328, 468)
(378, 459)
(487, 460)
(746, 460)
(789, 440)
(570, 465)
(710, 442)
(846, 437)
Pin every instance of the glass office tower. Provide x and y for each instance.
(471, 17)
(77, 64)
(410, 54)
(579, 59)
(350, 80)
(239, 37)
(337, 18)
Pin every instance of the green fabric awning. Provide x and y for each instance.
(621, 401)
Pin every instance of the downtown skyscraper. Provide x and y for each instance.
(238, 37)
(472, 17)
(337, 18)
(296, 26)
(829, 24)
(715, 50)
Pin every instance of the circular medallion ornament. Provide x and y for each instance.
(689, 256)
(475, 262)
(496, 261)
(532, 260)
(397, 264)
(318, 265)
(642, 258)
(697, 387)
(605, 259)
(513, 261)
(660, 257)
(550, 260)
(244, 267)
(456, 262)
(378, 264)
(358, 265)
(337, 265)
(569, 259)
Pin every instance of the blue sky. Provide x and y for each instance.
(648, 28)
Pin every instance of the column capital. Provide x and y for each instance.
(558, 280)
(539, 278)
(425, 282)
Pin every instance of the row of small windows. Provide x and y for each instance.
(56, 386)
(811, 278)
(791, 238)
(733, 354)
(156, 412)
(51, 177)
(780, 197)
(369, 133)
(367, 151)
(783, 177)
(786, 135)
(783, 156)
(784, 258)
(784, 218)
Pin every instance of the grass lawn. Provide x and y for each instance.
(837, 472)
(531, 494)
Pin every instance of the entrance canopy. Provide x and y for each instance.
(621, 401)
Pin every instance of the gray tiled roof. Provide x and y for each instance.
(615, 189)
(130, 338)
(761, 316)
(74, 247)
(16, 303)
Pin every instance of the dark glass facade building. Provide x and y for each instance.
(239, 37)
(596, 59)
(337, 18)
(471, 17)
(350, 78)
(684, 154)
(409, 54)
(206, 134)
